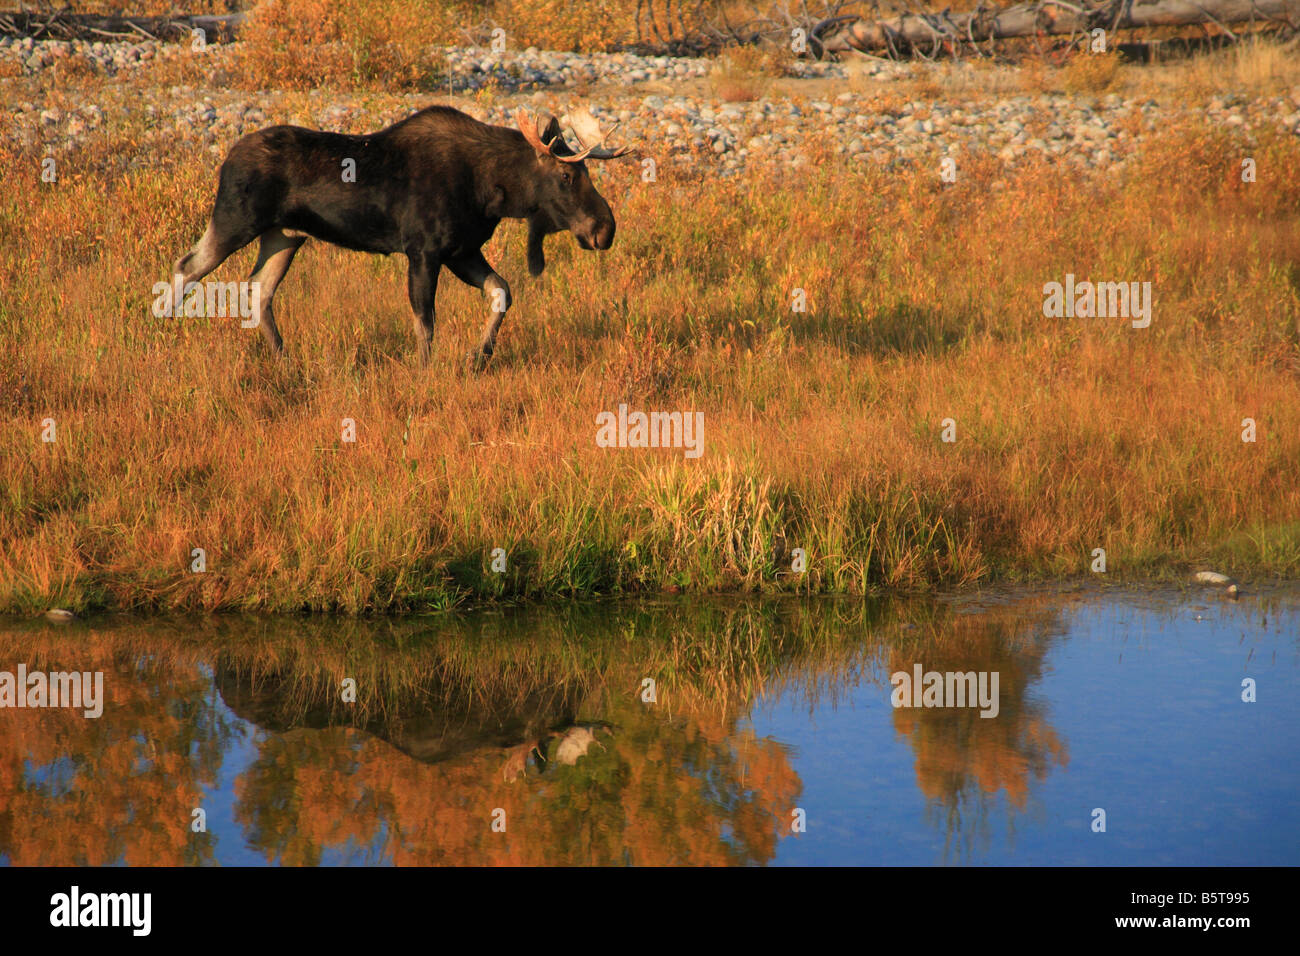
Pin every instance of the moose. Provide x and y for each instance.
(433, 186)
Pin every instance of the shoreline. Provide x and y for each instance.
(1168, 586)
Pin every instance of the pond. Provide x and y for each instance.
(1064, 726)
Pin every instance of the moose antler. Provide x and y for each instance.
(587, 131)
(533, 128)
(583, 126)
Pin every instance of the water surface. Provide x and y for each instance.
(529, 736)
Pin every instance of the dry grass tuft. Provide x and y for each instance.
(1091, 73)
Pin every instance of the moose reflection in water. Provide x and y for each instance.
(522, 727)
(538, 717)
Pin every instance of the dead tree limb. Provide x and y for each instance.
(62, 25)
(921, 31)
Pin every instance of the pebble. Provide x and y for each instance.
(1217, 579)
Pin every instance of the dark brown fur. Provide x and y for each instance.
(433, 187)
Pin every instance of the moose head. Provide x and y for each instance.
(566, 198)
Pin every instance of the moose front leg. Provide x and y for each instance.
(422, 288)
(474, 270)
(539, 227)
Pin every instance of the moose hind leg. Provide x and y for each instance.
(474, 270)
(202, 257)
(274, 257)
(214, 248)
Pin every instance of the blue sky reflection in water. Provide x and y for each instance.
(1147, 698)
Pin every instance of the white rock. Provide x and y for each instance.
(1211, 577)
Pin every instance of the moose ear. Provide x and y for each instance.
(551, 133)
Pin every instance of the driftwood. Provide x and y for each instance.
(828, 28)
(938, 31)
(64, 25)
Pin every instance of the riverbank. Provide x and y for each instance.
(824, 464)
(718, 117)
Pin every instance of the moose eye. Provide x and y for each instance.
(566, 177)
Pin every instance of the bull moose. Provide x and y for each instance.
(433, 187)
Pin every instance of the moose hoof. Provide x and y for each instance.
(476, 360)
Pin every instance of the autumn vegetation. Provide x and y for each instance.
(822, 427)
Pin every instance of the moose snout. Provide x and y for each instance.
(598, 235)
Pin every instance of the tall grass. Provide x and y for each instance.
(396, 44)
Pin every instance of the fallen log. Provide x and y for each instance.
(1044, 18)
(62, 25)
